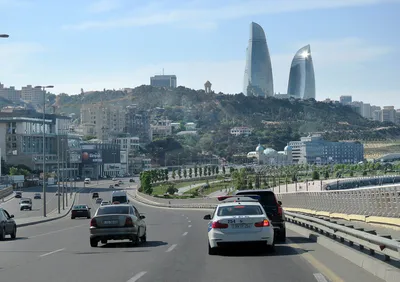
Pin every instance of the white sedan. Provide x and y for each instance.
(239, 220)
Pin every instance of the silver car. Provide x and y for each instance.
(117, 222)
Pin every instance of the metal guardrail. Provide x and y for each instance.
(387, 247)
(372, 201)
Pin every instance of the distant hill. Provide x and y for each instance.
(275, 121)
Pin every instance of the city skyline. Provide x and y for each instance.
(301, 84)
(106, 44)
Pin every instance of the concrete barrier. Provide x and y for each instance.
(6, 192)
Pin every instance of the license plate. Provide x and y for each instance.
(108, 222)
(240, 225)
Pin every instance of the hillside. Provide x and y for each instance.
(275, 121)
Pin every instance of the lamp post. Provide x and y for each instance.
(44, 144)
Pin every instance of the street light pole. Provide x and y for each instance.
(58, 174)
(44, 145)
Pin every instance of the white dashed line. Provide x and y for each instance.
(184, 234)
(320, 277)
(187, 218)
(53, 252)
(171, 248)
(137, 276)
(189, 221)
(189, 226)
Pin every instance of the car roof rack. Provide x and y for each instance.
(247, 198)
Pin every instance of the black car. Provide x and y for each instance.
(273, 209)
(7, 225)
(37, 196)
(131, 180)
(95, 195)
(80, 211)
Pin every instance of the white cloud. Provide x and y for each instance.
(208, 12)
(102, 6)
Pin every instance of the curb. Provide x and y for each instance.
(49, 219)
(375, 267)
(389, 221)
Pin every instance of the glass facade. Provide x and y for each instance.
(258, 80)
(301, 77)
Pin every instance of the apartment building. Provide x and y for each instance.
(243, 130)
(102, 120)
(161, 128)
(32, 95)
(137, 123)
(10, 93)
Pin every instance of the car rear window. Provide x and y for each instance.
(239, 210)
(79, 208)
(113, 210)
(266, 198)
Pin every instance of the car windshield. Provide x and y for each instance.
(266, 198)
(113, 210)
(239, 210)
(25, 202)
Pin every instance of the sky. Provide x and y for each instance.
(113, 44)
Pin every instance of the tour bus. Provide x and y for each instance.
(119, 197)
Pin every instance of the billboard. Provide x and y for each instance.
(91, 156)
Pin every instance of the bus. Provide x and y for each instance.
(120, 197)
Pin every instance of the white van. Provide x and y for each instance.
(87, 181)
(120, 197)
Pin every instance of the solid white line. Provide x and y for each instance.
(319, 277)
(184, 234)
(137, 276)
(189, 226)
(187, 218)
(53, 252)
(171, 248)
(189, 221)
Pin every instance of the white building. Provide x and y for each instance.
(32, 95)
(10, 93)
(243, 130)
(269, 156)
(161, 128)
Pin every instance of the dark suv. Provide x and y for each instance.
(95, 195)
(273, 210)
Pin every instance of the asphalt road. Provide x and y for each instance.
(176, 251)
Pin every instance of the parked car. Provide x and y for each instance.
(37, 196)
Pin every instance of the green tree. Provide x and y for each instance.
(145, 182)
(173, 174)
(209, 171)
(166, 175)
(315, 175)
(180, 173)
(250, 185)
(185, 173)
(216, 170)
(171, 189)
(190, 172)
(200, 171)
(223, 170)
(13, 171)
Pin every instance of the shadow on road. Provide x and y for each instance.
(148, 244)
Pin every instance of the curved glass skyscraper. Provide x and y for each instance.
(301, 77)
(258, 79)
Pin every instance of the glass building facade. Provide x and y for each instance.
(301, 77)
(258, 80)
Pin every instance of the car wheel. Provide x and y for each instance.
(88, 217)
(14, 233)
(72, 217)
(143, 239)
(212, 251)
(2, 234)
(269, 248)
(282, 236)
(93, 242)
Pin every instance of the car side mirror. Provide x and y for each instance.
(280, 203)
(142, 217)
(90, 208)
(207, 217)
(12, 216)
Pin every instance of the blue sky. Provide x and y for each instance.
(96, 44)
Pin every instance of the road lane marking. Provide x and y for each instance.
(189, 221)
(189, 226)
(187, 218)
(184, 234)
(319, 277)
(315, 263)
(171, 248)
(57, 231)
(53, 252)
(137, 276)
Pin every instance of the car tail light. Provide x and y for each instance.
(217, 224)
(128, 222)
(264, 223)
(93, 222)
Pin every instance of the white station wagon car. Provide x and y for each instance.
(239, 220)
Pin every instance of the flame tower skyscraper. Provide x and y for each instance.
(258, 80)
